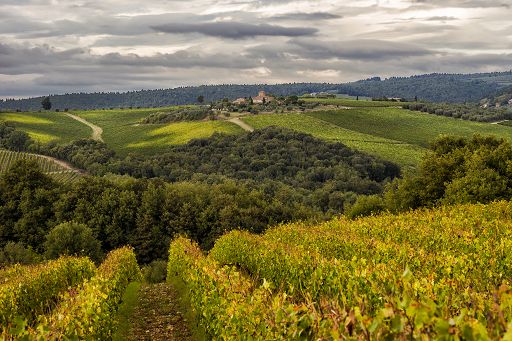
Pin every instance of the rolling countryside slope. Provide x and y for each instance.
(392, 133)
(123, 132)
(378, 128)
(47, 126)
(394, 150)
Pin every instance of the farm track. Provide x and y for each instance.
(157, 315)
(241, 124)
(97, 132)
(499, 122)
(63, 164)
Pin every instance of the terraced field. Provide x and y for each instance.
(54, 168)
(48, 126)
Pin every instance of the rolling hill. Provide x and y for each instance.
(377, 128)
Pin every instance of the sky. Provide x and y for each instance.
(64, 46)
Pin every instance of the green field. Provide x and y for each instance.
(378, 128)
(47, 126)
(394, 150)
(394, 134)
(347, 102)
(415, 128)
(123, 133)
(49, 167)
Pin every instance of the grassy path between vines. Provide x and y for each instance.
(152, 312)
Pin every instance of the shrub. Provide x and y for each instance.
(72, 239)
(155, 272)
(365, 205)
(17, 253)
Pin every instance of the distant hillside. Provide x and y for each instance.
(164, 97)
(501, 99)
(433, 87)
(451, 88)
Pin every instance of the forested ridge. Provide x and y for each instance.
(432, 87)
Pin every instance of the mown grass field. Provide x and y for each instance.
(394, 150)
(123, 133)
(47, 126)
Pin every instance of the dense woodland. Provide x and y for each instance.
(452, 88)
(471, 112)
(201, 189)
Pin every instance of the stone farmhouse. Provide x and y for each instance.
(260, 99)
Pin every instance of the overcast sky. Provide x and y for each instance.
(59, 46)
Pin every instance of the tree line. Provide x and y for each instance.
(470, 112)
(452, 88)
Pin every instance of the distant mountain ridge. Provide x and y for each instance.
(453, 88)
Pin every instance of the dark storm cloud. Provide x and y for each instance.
(235, 30)
(18, 59)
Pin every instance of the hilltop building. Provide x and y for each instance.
(262, 98)
(240, 101)
(510, 102)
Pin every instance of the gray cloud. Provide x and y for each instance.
(55, 46)
(300, 16)
(235, 30)
(359, 49)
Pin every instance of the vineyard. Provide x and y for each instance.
(68, 298)
(429, 274)
(47, 165)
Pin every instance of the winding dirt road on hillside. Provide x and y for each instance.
(241, 124)
(63, 164)
(96, 131)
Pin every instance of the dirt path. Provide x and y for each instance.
(61, 163)
(157, 315)
(241, 124)
(96, 131)
(500, 122)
